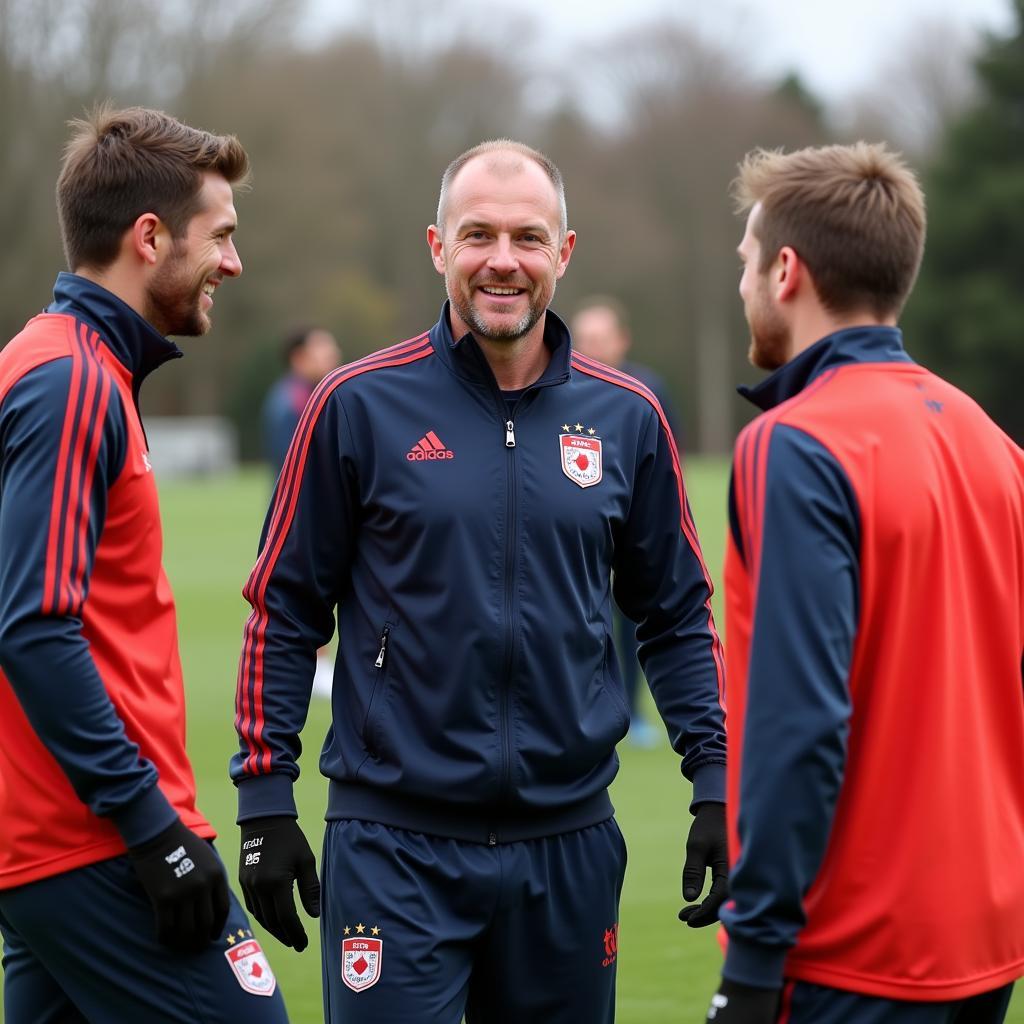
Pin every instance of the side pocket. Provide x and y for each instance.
(611, 681)
(375, 707)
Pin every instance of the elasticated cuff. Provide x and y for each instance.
(708, 785)
(752, 964)
(266, 795)
(144, 817)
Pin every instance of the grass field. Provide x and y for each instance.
(666, 971)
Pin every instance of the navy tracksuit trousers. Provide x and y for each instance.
(80, 948)
(419, 929)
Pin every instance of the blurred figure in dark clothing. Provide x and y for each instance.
(600, 329)
(310, 354)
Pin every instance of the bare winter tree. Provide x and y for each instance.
(927, 82)
(656, 224)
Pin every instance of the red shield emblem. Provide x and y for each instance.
(251, 968)
(361, 962)
(581, 459)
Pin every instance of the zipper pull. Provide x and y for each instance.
(379, 663)
(510, 434)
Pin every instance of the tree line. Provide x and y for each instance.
(349, 136)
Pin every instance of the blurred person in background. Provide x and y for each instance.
(875, 604)
(600, 329)
(460, 501)
(114, 905)
(310, 353)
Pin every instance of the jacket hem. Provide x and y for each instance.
(473, 823)
(82, 857)
(924, 991)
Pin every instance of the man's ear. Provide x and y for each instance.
(564, 252)
(148, 237)
(787, 274)
(436, 248)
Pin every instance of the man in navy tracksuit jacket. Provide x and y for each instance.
(462, 499)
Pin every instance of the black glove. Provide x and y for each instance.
(705, 848)
(734, 1003)
(184, 880)
(275, 854)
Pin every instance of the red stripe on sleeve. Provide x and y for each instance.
(250, 718)
(610, 374)
(77, 585)
(748, 504)
(288, 476)
(59, 485)
(73, 507)
(599, 370)
(759, 435)
(759, 473)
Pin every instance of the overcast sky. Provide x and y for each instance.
(836, 45)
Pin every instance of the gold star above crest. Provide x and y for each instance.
(375, 930)
(592, 431)
(347, 930)
(360, 928)
(579, 427)
(565, 427)
(231, 939)
(240, 933)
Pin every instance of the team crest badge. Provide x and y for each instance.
(581, 459)
(251, 968)
(360, 962)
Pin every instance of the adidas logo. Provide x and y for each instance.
(429, 448)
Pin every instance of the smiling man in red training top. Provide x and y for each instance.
(875, 603)
(114, 906)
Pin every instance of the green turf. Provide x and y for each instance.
(666, 971)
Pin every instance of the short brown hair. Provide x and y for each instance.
(120, 164)
(503, 146)
(854, 214)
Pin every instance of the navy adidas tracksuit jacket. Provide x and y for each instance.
(469, 548)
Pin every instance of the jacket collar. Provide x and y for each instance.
(134, 342)
(465, 359)
(850, 345)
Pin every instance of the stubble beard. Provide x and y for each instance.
(475, 320)
(173, 302)
(769, 337)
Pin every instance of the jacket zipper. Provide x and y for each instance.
(511, 609)
(385, 634)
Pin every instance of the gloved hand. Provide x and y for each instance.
(734, 1003)
(275, 854)
(705, 848)
(186, 884)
